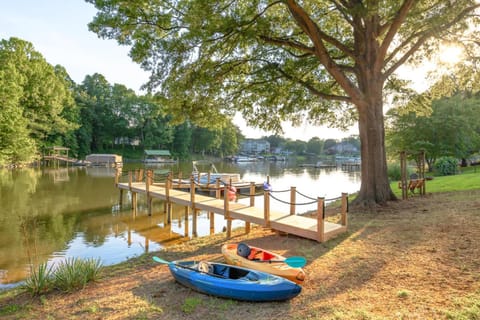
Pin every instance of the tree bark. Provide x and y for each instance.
(375, 186)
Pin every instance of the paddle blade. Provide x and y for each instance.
(160, 260)
(295, 262)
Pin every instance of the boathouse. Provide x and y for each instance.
(107, 160)
(158, 156)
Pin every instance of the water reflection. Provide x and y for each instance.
(50, 214)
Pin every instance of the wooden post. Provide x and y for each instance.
(344, 208)
(186, 220)
(179, 179)
(134, 194)
(134, 203)
(117, 176)
(167, 198)
(212, 222)
(320, 219)
(120, 202)
(252, 194)
(147, 188)
(293, 192)
(226, 211)
(403, 172)
(266, 208)
(252, 203)
(218, 191)
(422, 172)
(192, 204)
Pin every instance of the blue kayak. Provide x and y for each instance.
(223, 280)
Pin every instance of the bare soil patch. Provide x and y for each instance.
(415, 259)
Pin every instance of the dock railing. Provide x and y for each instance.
(321, 234)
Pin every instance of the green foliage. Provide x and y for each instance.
(40, 279)
(315, 146)
(36, 101)
(71, 274)
(190, 304)
(394, 172)
(459, 182)
(446, 166)
(403, 294)
(467, 308)
(450, 130)
(74, 273)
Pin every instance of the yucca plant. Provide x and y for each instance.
(74, 273)
(40, 279)
(93, 267)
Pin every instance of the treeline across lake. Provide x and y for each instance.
(42, 107)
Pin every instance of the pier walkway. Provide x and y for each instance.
(315, 228)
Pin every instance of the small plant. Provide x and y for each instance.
(40, 279)
(9, 309)
(190, 304)
(74, 273)
(403, 294)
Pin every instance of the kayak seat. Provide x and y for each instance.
(204, 266)
(236, 273)
(221, 270)
(260, 255)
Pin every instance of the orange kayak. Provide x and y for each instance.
(262, 260)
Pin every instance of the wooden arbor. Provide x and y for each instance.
(416, 181)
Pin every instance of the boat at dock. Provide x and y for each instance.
(207, 179)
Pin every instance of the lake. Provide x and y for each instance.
(50, 214)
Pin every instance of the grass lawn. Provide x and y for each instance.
(465, 181)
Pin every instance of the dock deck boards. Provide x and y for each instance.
(306, 227)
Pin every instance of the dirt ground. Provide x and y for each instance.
(414, 259)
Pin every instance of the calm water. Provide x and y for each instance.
(48, 215)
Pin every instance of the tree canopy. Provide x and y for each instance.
(325, 60)
(35, 98)
(452, 129)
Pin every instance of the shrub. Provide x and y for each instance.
(446, 166)
(394, 171)
(74, 273)
(40, 279)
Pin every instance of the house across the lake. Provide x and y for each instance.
(158, 156)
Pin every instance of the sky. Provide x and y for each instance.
(58, 30)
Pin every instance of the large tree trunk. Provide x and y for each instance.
(375, 187)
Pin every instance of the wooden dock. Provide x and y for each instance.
(315, 228)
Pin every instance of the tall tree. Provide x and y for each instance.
(230, 143)
(182, 140)
(315, 146)
(97, 110)
(39, 93)
(150, 123)
(15, 144)
(328, 60)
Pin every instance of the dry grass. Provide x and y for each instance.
(415, 259)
